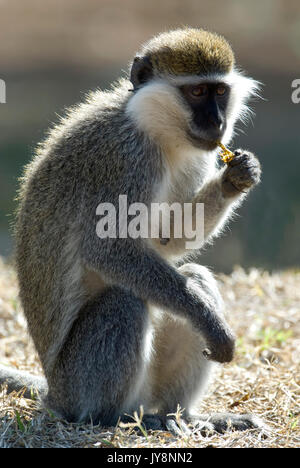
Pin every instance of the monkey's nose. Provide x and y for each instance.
(216, 122)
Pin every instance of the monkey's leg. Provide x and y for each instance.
(180, 372)
(101, 367)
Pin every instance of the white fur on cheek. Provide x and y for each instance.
(242, 88)
(158, 112)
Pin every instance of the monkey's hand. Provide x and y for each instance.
(220, 348)
(241, 174)
(220, 342)
(209, 320)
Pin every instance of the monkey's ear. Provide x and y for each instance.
(141, 71)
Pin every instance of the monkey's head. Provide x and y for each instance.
(186, 88)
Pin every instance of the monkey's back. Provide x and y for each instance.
(76, 158)
(45, 219)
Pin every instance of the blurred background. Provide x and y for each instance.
(53, 52)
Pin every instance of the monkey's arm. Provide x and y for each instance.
(220, 196)
(217, 207)
(227, 190)
(131, 264)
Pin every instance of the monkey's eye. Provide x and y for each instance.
(221, 90)
(198, 91)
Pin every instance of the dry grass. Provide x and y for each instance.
(264, 310)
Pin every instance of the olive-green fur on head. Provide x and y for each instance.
(188, 51)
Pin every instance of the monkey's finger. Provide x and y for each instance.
(207, 353)
(177, 428)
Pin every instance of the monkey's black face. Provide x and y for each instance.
(208, 103)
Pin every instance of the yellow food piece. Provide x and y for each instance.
(226, 154)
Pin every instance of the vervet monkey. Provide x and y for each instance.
(115, 323)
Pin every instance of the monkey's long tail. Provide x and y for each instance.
(35, 386)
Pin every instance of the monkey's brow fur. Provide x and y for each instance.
(189, 51)
(115, 322)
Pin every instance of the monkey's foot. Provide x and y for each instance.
(223, 422)
(157, 422)
(205, 424)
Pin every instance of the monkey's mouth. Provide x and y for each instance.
(203, 143)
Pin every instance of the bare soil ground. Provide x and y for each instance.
(264, 378)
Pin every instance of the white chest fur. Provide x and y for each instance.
(186, 170)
